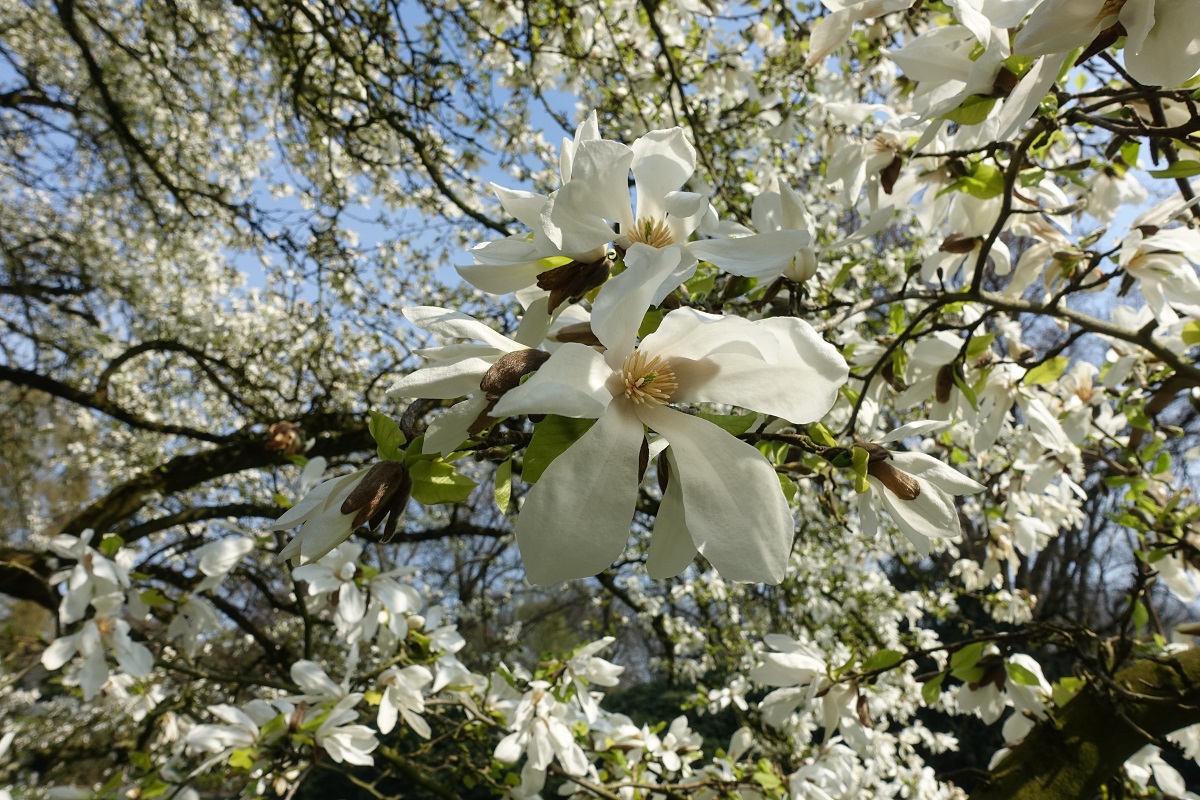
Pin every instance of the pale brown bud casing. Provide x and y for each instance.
(284, 438)
(383, 492)
(901, 484)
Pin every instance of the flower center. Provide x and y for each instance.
(653, 232)
(648, 380)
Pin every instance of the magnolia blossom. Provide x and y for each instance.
(916, 489)
(478, 372)
(1162, 42)
(539, 728)
(348, 743)
(90, 641)
(402, 697)
(722, 498)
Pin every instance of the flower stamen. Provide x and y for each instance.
(653, 232)
(648, 380)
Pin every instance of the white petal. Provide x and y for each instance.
(622, 301)
(387, 714)
(328, 494)
(453, 325)
(922, 427)
(576, 519)
(733, 506)
(218, 558)
(448, 430)
(523, 206)
(940, 474)
(931, 515)
(1163, 46)
(60, 651)
(505, 266)
(571, 383)
(309, 676)
(663, 161)
(444, 380)
(763, 255)
(671, 546)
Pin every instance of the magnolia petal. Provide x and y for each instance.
(445, 379)
(671, 546)
(759, 256)
(1163, 45)
(930, 516)
(504, 267)
(828, 34)
(1060, 25)
(535, 323)
(388, 715)
(622, 301)
(939, 473)
(663, 161)
(523, 206)
(60, 651)
(575, 520)
(692, 335)
(454, 325)
(326, 495)
(450, 428)
(573, 224)
(733, 507)
(922, 427)
(571, 383)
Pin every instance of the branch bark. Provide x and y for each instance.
(1086, 743)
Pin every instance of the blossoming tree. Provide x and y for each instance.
(392, 392)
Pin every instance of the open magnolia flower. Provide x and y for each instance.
(723, 497)
(916, 489)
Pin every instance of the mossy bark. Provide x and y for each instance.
(1087, 741)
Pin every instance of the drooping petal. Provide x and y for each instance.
(575, 520)
(671, 546)
(523, 206)
(454, 325)
(504, 266)
(931, 515)
(732, 503)
(326, 495)
(622, 301)
(759, 256)
(571, 383)
(939, 473)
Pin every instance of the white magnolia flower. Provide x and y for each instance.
(723, 497)
(348, 743)
(90, 641)
(335, 574)
(585, 667)
(402, 698)
(1162, 44)
(916, 489)
(330, 512)
(541, 730)
(658, 229)
(831, 31)
(217, 559)
(477, 372)
(93, 581)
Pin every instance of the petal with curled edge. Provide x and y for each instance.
(762, 255)
(572, 383)
(504, 266)
(671, 546)
(575, 521)
(930, 516)
(938, 473)
(524, 206)
(733, 507)
(455, 325)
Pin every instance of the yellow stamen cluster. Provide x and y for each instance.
(653, 232)
(648, 380)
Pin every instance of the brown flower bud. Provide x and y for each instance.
(643, 458)
(944, 383)
(901, 484)
(284, 438)
(572, 281)
(508, 370)
(377, 490)
(664, 474)
(957, 243)
(579, 333)
(890, 174)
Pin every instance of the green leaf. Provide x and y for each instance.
(436, 482)
(387, 436)
(736, 424)
(1191, 333)
(884, 659)
(788, 486)
(281, 500)
(701, 283)
(979, 345)
(896, 318)
(503, 485)
(821, 435)
(985, 182)
(767, 780)
(966, 389)
(1140, 615)
(859, 463)
(1048, 371)
(972, 111)
(110, 544)
(551, 437)
(1180, 169)
(154, 598)
(932, 689)
(1021, 675)
(650, 322)
(963, 662)
(1065, 689)
(243, 758)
